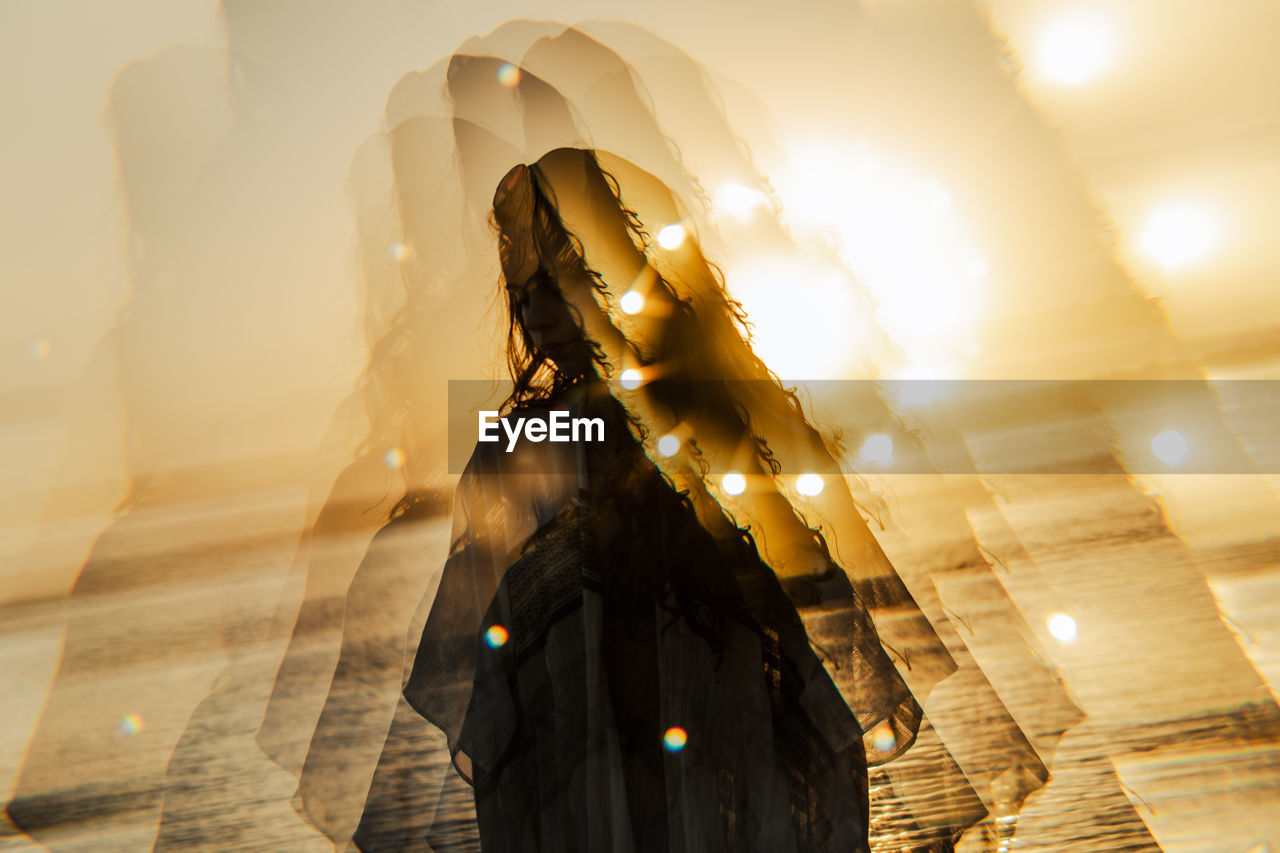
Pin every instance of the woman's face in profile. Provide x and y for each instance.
(543, 312)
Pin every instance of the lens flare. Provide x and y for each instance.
(496, 636)
(668, 445)
(877, 448)
(671, 237)
(1063, 627)
(1170, 447)
(734, 483)
(508, 75)
(630, 379)
(809, 485)
(632, 302)
(882, 737)
(130, 725)
(38, 348)
(675, 738)
(394, 458)
(399, 252)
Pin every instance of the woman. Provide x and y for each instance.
(615, 663)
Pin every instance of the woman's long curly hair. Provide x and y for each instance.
(652, 542)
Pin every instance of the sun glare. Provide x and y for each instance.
(804, 318)
(898, 232)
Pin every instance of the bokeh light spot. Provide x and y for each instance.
(508, 75)
(737, 202)
(630, 379)
(632, 302)
(399, 252)
(496, 636)
(877, 448)
(809, 485)
(668, 445)
(1179, 235)
(130, 725)
(671, 237)
(1170, 447)
(675, 738)
(882, 737)
(734, 483)
(1063, 627)
(394, 458)
(1075, 48)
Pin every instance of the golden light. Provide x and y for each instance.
(669, 445)
(810, 485)
(734, 483)
(1075, 47)
(1170, 447)
(399, 252)
(897, 231)
(630, 379)
(738, 203)
(671, 236)
(877, 448)
(1063, 627)
(1180, 234)
(632, 302)
(804, 317)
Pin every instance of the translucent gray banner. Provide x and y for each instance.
(1004, 427)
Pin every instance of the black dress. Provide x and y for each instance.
(611, 676)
